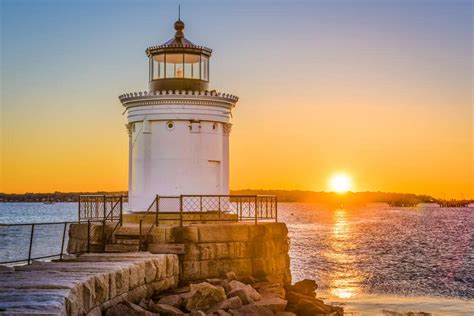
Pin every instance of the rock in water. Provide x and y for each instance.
(306, 287)
(309, 308)
(204, 296)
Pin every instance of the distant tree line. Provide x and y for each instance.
(50, 197)
(326, 198)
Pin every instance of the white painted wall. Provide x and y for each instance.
(192, 157)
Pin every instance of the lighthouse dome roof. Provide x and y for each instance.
(178, 43)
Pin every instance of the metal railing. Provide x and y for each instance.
(101, 208)
(143, 230)
(18, 243)
(208, 208)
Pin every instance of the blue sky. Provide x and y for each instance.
(398, 67)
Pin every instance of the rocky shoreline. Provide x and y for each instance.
(232, 296)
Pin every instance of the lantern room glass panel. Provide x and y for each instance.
(191, 66)
(204, 68)
(174, 65)
(158, 66)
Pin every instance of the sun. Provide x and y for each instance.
(340, 183)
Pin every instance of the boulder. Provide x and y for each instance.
(197, 313)
(174, 300)
(214, 281)
(127, 308)
(293, 298)
(118, 310)
(275, 304)
(309, 308)
(270, 289)
(167, 310)
(231, 276)
(306, 287)
(248, 279)
(221, 312)
(251, 310)
(338, 310)
(251, 292)
(242, 294)
(230, 303)
(204, 296)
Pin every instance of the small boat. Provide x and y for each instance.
(49, 201)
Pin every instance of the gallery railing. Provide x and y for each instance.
(34, 241)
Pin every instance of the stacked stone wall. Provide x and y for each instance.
(212, 250)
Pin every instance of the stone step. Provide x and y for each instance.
(121, 248)
(124, 235)
(124, 241)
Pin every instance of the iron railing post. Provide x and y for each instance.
(276, 209)
(219, 206)
(31, 242)
(88, 235)
(121, 209)
(256, 210)
(103, 235)
(180, 211)
(62, 244)
(105, 206)
(140, 240)
(157, 207)
(79, 210)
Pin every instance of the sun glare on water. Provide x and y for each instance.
(340, 183)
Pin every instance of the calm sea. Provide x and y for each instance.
(374, 261)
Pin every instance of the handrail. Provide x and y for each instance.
(155, 202)
(32, 236)
(105, 238)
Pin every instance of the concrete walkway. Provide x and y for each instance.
(85, 285)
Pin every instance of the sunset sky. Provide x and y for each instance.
(379, 90)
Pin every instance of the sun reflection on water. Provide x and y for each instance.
(343, 281)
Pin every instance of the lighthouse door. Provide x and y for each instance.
(215, 176)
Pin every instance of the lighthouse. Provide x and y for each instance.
(179, 129)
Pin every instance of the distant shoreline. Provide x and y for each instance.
(327, 198)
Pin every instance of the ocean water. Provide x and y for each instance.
(376, 260)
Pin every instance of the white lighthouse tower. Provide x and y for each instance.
(179, 128)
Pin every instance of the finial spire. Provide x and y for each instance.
(179, 12)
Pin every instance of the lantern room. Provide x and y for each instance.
(178, 64)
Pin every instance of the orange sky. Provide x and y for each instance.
(386, 100)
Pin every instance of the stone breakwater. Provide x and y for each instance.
(212, 250)
(225, 269)
(89, 284)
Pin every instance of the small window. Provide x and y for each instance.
(214, 126)
(169, 125)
